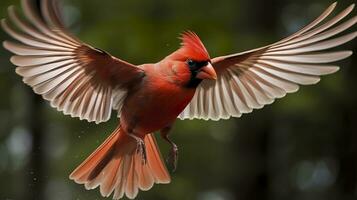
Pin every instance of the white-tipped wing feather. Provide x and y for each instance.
(77, 79)
(252, 79)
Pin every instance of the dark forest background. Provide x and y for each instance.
(303, 147)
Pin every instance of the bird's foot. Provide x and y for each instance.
(141, 150)
(172, 158)
(140, 147)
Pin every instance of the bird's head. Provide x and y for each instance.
(193, 58)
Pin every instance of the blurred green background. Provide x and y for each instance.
(302, 147)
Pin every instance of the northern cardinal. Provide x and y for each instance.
(88, 83)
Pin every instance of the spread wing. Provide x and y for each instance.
(76, 78)
(252, 79)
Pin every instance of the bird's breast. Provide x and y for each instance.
(156, 104)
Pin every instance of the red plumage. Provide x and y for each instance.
(192, 45)
(88, 83)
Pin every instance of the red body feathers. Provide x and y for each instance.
(85, 82)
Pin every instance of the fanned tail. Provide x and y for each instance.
(115, 166)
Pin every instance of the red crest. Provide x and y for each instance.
(193, 47)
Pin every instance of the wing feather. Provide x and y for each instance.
(76, 78)
(252, 79)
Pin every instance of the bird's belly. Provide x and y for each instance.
(156, 117)
(148, 112)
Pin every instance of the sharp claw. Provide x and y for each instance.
(141, 149)
(144, 155)
(172, 158)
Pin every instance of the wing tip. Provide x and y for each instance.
(8, 45)
(349, 8)
(5, 26)
(332, 7)
(3, 22)
(20, 73)
(347, 54)
(11, 8)
(317, 80)
(13, 60)
(352, 6)
(5, 44)
(334, 70)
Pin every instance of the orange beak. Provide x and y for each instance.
(207, 72)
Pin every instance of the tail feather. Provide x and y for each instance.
(117, 167)
(81, 173)
(122, 180)
(108, 184)
(155, 160)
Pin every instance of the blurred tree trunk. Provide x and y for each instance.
(36, 166)
(35, 124)
(346, 146)
(254, 135)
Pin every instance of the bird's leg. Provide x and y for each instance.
(173, 154)
(140, 147)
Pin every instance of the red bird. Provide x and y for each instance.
(88, 83)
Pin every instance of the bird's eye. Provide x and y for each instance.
(191, 63)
